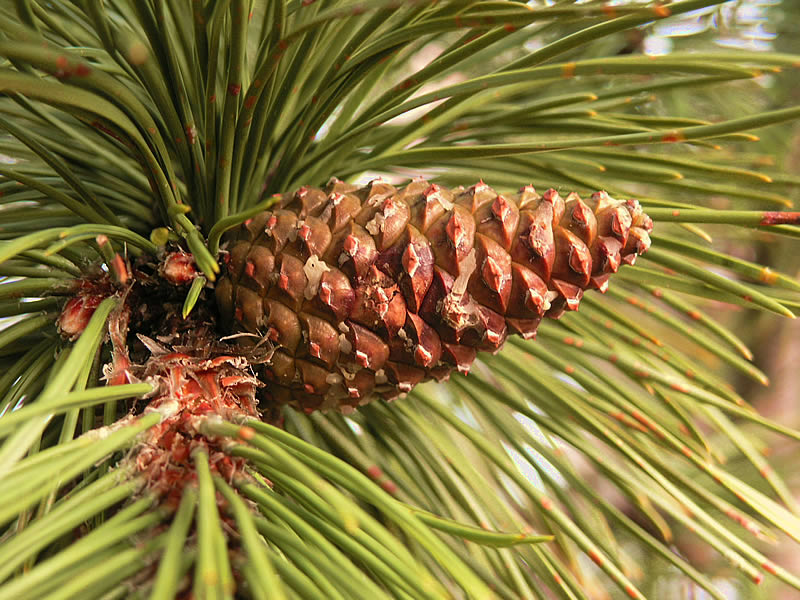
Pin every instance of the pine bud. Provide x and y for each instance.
(76, 314)
(179, 268)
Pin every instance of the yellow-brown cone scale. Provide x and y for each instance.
(366, 291)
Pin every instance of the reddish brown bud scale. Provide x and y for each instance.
(76, 314)
(179, 268)
(368, 291)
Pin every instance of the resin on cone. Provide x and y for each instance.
(366, 291)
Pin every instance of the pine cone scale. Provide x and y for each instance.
(369, 291)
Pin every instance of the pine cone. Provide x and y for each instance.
(368, 291)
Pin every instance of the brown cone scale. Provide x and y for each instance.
(366, 291)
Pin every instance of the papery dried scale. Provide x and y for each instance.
(367, 291)
(188, 389)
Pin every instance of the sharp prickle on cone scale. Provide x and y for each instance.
(364, 292)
